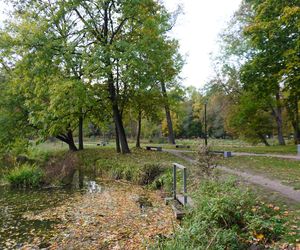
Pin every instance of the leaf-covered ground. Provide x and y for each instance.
(120, 216)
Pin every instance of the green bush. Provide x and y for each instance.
(164, 180)
(140, 174)
(25, 176)
(148, 173)
(227, 218)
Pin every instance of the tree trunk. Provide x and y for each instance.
(118, 148)
(277, 113)
(279, 121)
(121, 131)
(296, 123)
(139, 128)
(80, 133)
(296, 133)
(117, 116)
(68, 139)
(171, 137)
(72, 146)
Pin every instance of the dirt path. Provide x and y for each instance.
(274, 185)
(290, 157)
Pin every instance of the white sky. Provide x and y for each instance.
(197, 31)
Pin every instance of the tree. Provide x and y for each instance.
(272, 70)
(250, 119)
(43, 70)
(15, 128)
(118, 30)
(86, 50)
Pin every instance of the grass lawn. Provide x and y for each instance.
(216, 144)
(287, 171)
(288, 149)
(231, 145)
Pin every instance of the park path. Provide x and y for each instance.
(274, 185)
(290, 157)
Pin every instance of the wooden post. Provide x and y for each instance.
(174, 181)
(184, 186)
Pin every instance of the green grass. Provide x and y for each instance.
(232, 145)
(287, 171)
(141, 166)
(25, 176)
(288, 149)
(226, 217)
(289, 207)
(216, 144)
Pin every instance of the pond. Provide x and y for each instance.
(91, 213)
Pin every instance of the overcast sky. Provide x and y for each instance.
(197, 31)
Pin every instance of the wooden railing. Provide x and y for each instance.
(181, 198)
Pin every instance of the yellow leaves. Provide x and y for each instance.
(286, 213)
(259, 237)
(111, 219)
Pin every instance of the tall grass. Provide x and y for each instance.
(25, 176)
(227, 218)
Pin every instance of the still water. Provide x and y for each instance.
(16, 228)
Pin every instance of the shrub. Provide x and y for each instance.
(148, 173)
(116, 173)
(165, 180)
(227, 218)
(206, 161)
(25, 176)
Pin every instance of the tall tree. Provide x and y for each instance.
(275, 40)
(43, 70)
(118, 30)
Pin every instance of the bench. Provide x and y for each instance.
(152, 147)
(102, 143)
(226, 154)
(183, 146)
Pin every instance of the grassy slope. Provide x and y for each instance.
(291, 208)
(287, 171)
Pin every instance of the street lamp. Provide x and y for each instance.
(205, 124)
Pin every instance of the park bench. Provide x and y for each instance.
(102, 143)
(152, 147)
(183, 146)
(226, 154)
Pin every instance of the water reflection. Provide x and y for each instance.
(93, 187)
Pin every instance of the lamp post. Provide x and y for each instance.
(205, 124)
